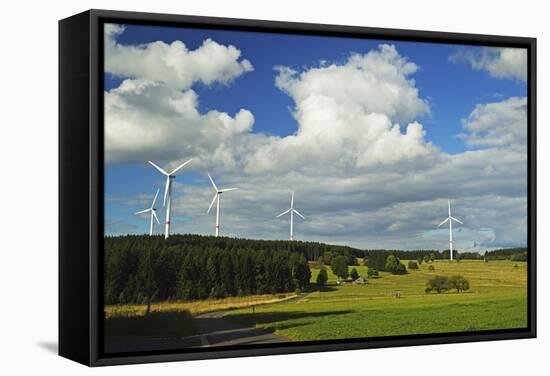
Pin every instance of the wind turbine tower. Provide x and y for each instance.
(291, 210)
(450, 219)
(217, 197)
(168, 193)
(153, 212)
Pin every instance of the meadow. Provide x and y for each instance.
(497, 299)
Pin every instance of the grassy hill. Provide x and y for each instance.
(497, 300)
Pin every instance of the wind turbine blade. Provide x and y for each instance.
(449, 203)
(166, 189)
(155, 215)
(454, 219)
(155, 199)
(158, 168)
(297, 212)
(445, 221)
(292, 200)
(228, 189)
(142, 212)
(213, 184)
(212, 203)
(180, 167)
(283, 213)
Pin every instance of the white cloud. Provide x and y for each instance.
(348, 115)
(508, 63)
(147, 120)
(173, 64)
(154, 113)
(497, 124)
(363, 172)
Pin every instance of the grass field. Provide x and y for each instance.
(195, 307)
(497, 299)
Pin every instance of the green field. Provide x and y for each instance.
(497, 299)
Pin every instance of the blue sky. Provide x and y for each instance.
(449, 80)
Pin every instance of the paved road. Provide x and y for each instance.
(219, 331)
(214, 330)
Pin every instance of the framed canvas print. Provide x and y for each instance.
(239, 187)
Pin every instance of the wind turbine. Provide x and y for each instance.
(217, 197)
(153, 212)
(291, 210)
(450, 219)
(168, 193)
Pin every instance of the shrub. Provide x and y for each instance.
(394, 265)
(519, 256)
(322, 278)
(439, 284)
(372, 273)
(413, 265)
(339, 266)
(426, 258)
(459, 283)
(420, 259)
(431, 267)
(354, 275)
(400, 269)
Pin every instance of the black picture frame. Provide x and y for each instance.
(81, 184)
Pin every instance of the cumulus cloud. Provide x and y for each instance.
(147, 120)
(154, 114)
(359, 161)
(508, 63)
(497, 124)
(348, 114)
(173, 64)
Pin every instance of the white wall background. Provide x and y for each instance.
(28, 189)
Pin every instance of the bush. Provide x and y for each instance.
(439, 284)
(413, 265)
(400, 269)
(519, 257)
(394, 265)
(420, 259)
(339, 266)
(322, 278)
(431, 267)
(426, 258)
(354, 275)
(372, 273)
(459, 283)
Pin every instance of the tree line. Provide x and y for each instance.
(142, 269)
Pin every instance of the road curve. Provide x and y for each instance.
(219, 331)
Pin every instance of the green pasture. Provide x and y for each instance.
(497, 299)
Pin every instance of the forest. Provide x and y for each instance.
(140, 269)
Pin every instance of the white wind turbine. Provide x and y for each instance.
(168, 193)
(450, 219)
(291, 210)
(153, 212)
(217, 197)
